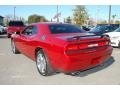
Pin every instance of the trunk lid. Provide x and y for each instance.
(76, 41)
(73, 37)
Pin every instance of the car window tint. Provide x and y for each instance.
(117, 30)
(30, 30)
(16, 23)
(64, 28)
(34, 30)
(27, 31)
(111, 28)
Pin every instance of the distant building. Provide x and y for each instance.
(1, 20)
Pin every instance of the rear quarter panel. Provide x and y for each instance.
(54, 48)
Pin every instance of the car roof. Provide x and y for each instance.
(16, 21)
(48, 23)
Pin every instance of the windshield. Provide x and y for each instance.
(64, 28)
(98, 29)
(117, 30)
(16, 23)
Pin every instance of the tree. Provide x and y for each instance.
(36, 18)
(113, 16)
(26, 22)
(117, 22)
(91, 21)
(68, 20)
(7, 18)
(103, 22)
(80, 15)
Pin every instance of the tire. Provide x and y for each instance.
(14, 49)
(43, 64)
(119, 45)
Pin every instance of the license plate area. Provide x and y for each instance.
(95, 61)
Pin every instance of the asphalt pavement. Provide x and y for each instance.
(19, 69)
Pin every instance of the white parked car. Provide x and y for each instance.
(115, 37)
(3, 29)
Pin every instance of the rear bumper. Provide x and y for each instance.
(11, 31)
(115, 42)
(85, 60)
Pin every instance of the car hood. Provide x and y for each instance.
(113, 34)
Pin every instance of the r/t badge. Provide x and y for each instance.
(43, 37)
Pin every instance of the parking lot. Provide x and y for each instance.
(18, 69)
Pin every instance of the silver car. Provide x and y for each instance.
(2, 29)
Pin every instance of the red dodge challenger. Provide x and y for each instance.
(61, 47)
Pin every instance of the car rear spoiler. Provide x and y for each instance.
(99, 36)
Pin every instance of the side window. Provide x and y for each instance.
(34, 30)
(107, 29)
(112, 28)
(30, 30)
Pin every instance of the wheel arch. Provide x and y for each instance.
(50, 69)
(36, 50)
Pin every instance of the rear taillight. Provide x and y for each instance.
(83, 46)
(72, 47)
(77, 46)
(86, 45)
(104, 43)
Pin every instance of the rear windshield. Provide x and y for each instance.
(64, 28)
(117, 30)
(98, 29)
(16, 23)
(103, 28)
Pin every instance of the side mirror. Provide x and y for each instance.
(17, 33)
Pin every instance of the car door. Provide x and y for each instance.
(29, 40)
(21, 40)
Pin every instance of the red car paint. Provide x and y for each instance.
(15, 27)
(65, 53)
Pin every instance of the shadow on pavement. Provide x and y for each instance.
(107, 63)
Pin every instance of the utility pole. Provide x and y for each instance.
(109, 15)
(97, 15)
(14, 13)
